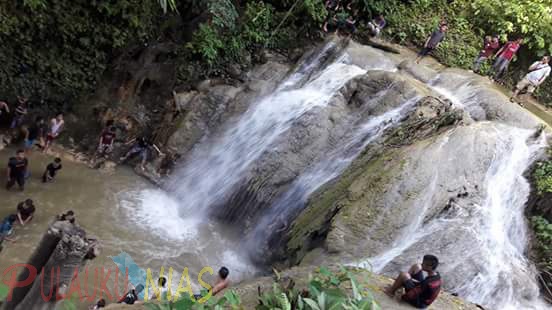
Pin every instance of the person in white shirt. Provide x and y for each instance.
(538, 72)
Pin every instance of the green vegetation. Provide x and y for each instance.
(410, 22)
(230, 300)
(543, 235)
(543, 177)
(326, 290)
(59, 50)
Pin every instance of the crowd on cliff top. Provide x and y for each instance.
(343, 18)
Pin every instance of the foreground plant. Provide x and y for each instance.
(325, 291)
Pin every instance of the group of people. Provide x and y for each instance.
(164, 292)
(503, 56)
(37, 133)
(343, 16)
(18, 170)
(140, 146)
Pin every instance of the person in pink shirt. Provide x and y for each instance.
(504, 56)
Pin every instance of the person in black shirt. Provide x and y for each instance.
(25, 211)
(20, 112)
(17, 170)
(131, 297)
(67, 216)
(141, 146)
(32, 133)
(51, 170)
(420, 291)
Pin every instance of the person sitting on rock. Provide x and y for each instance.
(131, 297)
(222, 281)
(51, 170)
(165, 291)
(25, 211)
(98, 305)
(421, 291)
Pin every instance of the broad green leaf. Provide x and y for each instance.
(311, 303)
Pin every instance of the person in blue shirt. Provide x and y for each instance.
(6, 227)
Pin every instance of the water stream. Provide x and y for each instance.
(492, 235)
(171, 227)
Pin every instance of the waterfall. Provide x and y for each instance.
(294, 199)
(215, 167)
(217, 164)
(493, 231)
(491, 237)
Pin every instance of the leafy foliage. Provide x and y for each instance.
(543, 234)
(543, 177)
(325, 291)
(410, 22)
(531, 19)
(230, 300)
(58, 49)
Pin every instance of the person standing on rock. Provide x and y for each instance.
(490, 45)
(538, 72)
(20, 112)
(503, 58)
(376, 25)
(141, 146)
(56, 126)
(421, 291)
(107, 138)
(17, 170)
(432, 42)
(32, 133)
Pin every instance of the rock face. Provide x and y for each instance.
(352, 208)
(313, 136)
(202, 111)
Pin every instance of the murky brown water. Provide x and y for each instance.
(126, 213)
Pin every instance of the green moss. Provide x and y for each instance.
(370, 174)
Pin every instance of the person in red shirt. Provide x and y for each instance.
(490, 45)
(107, 138)
(504, 57)
(420, 291)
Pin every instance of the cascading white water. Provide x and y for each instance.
(216, 167)
(494, 232)
(333, 164)
(220, 162)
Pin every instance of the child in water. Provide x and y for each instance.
(51, 170)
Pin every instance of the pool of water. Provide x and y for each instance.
(127, 214)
